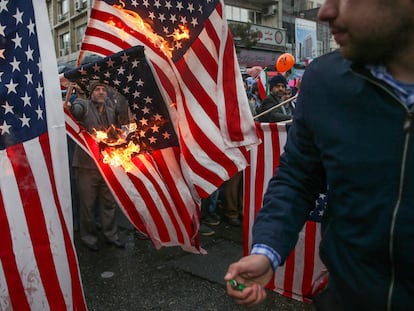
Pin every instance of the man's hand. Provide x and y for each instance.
(63, 81)
(66, 104)
(255, 272)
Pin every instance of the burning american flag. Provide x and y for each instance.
(189, 58)
(152, 191)
(191, 54)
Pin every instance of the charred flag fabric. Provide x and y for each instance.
(38, 264)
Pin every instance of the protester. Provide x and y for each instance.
(353, 132)
(210, 204)
(209, 216)
(98, 114)
(233, 199)
(278, 94)
(254, 98)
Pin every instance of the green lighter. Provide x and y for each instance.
(236, 285)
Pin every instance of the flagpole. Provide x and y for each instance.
(276, 106)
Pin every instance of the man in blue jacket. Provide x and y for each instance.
(353, 131)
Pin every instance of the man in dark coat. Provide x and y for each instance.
(96, 113)
(277, 85)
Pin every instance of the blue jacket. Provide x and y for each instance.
(352, 133)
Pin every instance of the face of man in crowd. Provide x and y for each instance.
(369, 30)
(99, 94)
(279, 90)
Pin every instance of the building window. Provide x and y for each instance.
(80, 32)
(256, 17)
(63, 9)
(64, 44)
(243, 15)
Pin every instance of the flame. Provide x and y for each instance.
(118, 151)
(181, 33)
(121, 156)
(100, 135)
(112, 136)
(140, 26)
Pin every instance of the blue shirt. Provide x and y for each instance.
(405, 91)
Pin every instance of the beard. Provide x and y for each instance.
(380, 43)
(369, 51)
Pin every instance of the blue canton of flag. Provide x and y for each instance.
(166, 19)
(21, 89)
(129, 73)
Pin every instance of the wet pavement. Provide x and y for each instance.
(140, 277)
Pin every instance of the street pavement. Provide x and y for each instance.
(141, 277)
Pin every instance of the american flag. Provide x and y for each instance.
(198, 76)
(38, 264)
(303, 273)
(153, 193)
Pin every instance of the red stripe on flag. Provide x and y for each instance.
(15, 286)
(231, 92)
(97, 49)
(288, 275)
(310, 252)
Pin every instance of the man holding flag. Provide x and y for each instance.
(95, 114)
